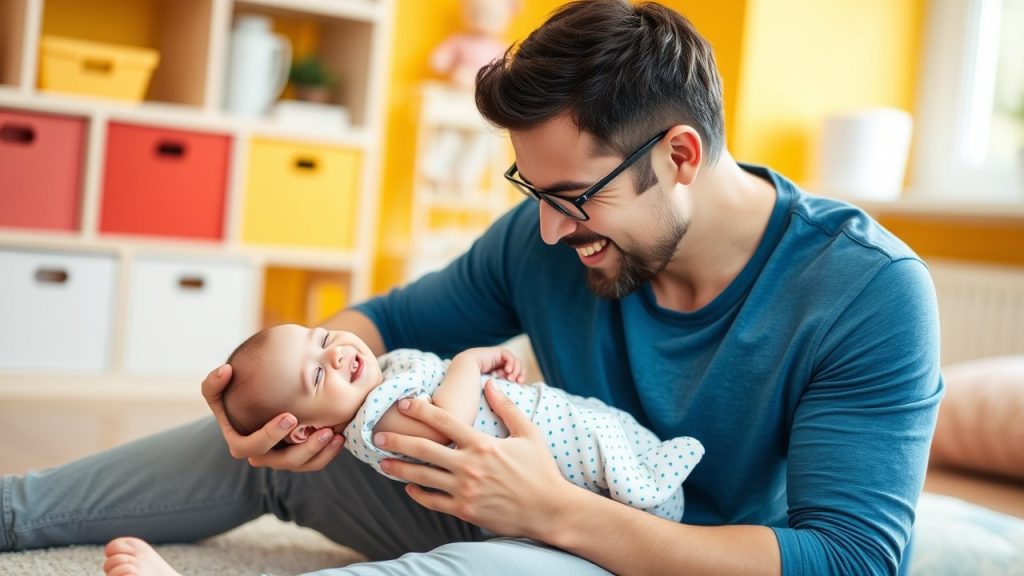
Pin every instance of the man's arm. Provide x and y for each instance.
(258, 446)
(625, 540)
(500, 476)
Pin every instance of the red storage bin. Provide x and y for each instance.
(40, 170)
(164, 182)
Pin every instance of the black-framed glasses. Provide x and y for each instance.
(573, 207)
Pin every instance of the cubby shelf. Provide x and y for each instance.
(183, 107)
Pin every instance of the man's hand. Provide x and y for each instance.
(258, 446)
(510, 486)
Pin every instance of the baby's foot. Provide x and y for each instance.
(134, 557)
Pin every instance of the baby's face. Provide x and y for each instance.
(321, 376)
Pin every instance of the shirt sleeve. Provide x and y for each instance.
(861, 432)
(407, 374)
(469, 303)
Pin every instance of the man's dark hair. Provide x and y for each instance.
(243, 412)
(623, 73)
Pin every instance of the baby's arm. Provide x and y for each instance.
(459, 393)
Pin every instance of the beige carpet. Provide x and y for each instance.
(266, 545)
(953, 538)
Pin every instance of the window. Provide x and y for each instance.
(970, 121)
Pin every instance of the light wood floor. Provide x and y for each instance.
(39, 433)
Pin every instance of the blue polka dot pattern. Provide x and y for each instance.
(596, 446)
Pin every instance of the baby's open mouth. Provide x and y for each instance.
(357, 368)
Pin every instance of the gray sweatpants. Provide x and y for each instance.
(182, 485)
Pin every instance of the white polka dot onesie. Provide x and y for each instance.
(597, 447)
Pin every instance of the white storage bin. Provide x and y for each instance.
(185, 317)
(56, 311)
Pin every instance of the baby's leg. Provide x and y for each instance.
(134, 557)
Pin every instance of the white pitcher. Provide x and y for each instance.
(258, 68)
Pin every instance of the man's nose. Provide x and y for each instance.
(554, 225)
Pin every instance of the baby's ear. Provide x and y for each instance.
(300, 434)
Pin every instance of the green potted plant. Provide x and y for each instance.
(312, 80)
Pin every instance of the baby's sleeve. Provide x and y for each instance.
(359, 432)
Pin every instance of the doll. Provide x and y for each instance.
(458, 157)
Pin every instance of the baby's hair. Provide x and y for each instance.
(245, 414)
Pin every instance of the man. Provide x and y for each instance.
(795, 338)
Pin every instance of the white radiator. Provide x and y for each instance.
(981, 309)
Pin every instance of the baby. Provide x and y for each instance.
(331, 379)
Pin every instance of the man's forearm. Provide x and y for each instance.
(350, 320)
(628, 541)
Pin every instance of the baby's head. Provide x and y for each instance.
(320, 376)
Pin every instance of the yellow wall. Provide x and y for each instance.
(722, 23)
(805, 59)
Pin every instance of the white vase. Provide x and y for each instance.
(258, 66)
(863, 154)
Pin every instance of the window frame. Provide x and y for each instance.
(958, 47)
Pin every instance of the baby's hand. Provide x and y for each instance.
(510, 367)
(499, 361)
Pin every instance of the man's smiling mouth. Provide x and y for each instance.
(592, 248)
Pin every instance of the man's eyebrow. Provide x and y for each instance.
(565, 186)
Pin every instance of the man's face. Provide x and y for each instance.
(629, 237)
(321, 376)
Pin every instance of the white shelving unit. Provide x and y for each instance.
(454, 201)
(185, 95)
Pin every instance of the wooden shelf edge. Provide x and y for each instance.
(274, 255)
(362, 10)
(107, 387)
(998, 207)
(175, 116)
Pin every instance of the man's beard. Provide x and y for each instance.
(636, 269)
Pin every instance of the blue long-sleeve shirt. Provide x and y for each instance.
(812, 380)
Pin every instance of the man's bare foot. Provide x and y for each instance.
(133, 557)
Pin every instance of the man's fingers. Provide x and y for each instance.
(294, 457)
(439, 419)
(324, 457)
(505, 408)
(214, 383)
(260, 441)
(419, 474)
(273, 432)
(419, 448)
(436, 501)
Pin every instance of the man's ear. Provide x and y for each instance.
(301, 433)
(687, 152)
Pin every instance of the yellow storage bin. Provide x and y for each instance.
(301, 195)
(95, 68)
